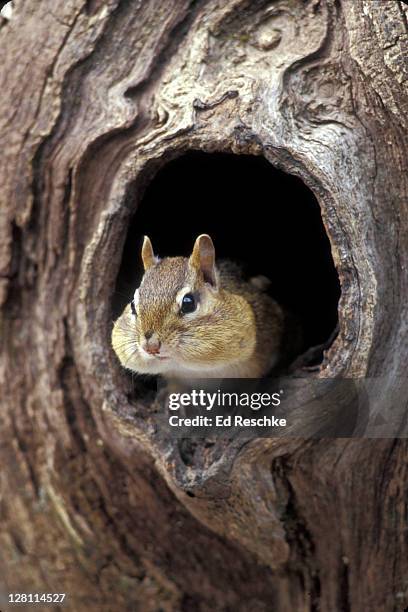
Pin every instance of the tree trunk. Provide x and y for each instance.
(95, 97)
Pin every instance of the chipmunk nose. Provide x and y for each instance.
(151, 344)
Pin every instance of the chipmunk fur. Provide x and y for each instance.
(192, 318)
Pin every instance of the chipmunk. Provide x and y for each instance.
(193, 318)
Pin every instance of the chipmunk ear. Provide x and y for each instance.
(148, 257)
(203, 258)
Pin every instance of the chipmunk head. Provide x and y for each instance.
(180, 318)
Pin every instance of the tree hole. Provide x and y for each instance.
(257, 215)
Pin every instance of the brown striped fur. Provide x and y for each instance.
(236, 330)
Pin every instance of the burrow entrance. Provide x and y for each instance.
(258, 215)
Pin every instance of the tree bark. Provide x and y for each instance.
(95, 97)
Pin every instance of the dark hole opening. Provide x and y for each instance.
(258, 215)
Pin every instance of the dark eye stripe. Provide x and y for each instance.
(132, 308)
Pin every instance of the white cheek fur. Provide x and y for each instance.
(135, 305)
(191, 315)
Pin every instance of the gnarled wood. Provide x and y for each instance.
(96, 96)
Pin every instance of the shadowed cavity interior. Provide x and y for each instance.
(258, 215)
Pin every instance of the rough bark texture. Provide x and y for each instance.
(95, 96)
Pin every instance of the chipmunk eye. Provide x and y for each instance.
(133, 308)
(188, 303)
